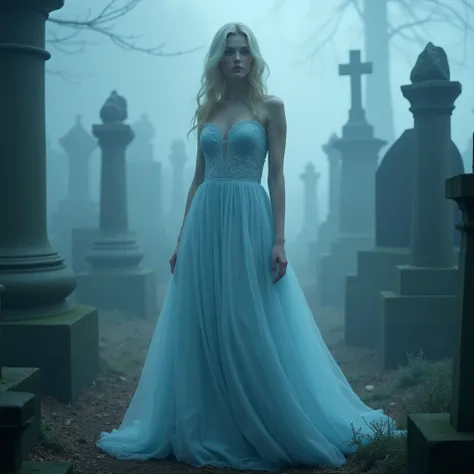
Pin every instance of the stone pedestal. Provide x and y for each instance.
(17, 412)
(116, 280)
(375, 272)
(19, 380)
(435, 447)
(83, 239)
(418, 315)
(36, 279)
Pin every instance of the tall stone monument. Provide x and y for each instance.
(116, 281)
(439, 443)
(418, 314)
(40, 327)
(359, 158)
(77, 210)
(145, 199)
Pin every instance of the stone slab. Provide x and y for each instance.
(411, 323)
(426, 281)
(130, 291)
(65, 348)
(46, 467)
(435, 447)
(17, 411)
(375, 272)
(337, 265)
(21, 380)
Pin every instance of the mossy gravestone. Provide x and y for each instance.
(394, 200)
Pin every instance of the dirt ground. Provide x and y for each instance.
(70, 432)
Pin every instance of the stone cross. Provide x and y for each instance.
(355, 69)
(461, 189)
(78, 145)
(432, 95)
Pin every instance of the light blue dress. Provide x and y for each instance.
(237, 374)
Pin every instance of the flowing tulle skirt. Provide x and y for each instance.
(237, 373)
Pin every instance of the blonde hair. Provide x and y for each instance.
(213, 84)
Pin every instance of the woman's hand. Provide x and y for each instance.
(279, 262)
(174, 258)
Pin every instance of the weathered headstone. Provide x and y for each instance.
(359, 157)
(77, 209)
(439, 443)
(145, 196)
(116, 281)
(308, 236)
(418, 314)
(40, 328)
(178, 159)
(393, 223)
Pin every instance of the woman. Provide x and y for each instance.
(237, 374)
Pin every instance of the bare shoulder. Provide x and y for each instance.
(274, 105)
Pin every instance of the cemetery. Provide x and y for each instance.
(388, 272)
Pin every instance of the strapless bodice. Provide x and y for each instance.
(241, 156)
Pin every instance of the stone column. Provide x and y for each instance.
(116, 281)
(356, 219)
(432, 98)
(433, 438)
(423, 300)
(39, 329)
(334, 158)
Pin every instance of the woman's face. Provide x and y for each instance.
(236, 62)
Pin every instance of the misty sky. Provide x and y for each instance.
(317, 99)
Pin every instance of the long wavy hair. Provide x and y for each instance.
(213, 84)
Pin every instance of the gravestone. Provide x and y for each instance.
(308, 236)
(40, 328)
(178, 160)
(359, 157)
(328, 229)
(77, 209)
(417, 315)
(116, 281)
(440, 443)
(145, 196)
(56, 180)
(393, 223)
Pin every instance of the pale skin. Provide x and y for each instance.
(235, 65)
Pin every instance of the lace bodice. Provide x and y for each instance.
(242, 156)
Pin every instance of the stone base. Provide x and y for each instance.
(65, 348)
(46, 467)
(418, 315)
(23, 380)
(337, 265)
(375, 272)
(435, 447)
(132, 291)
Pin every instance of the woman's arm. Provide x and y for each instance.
(276, 133)
(198, 178)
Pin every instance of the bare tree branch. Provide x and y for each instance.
(102, 24)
